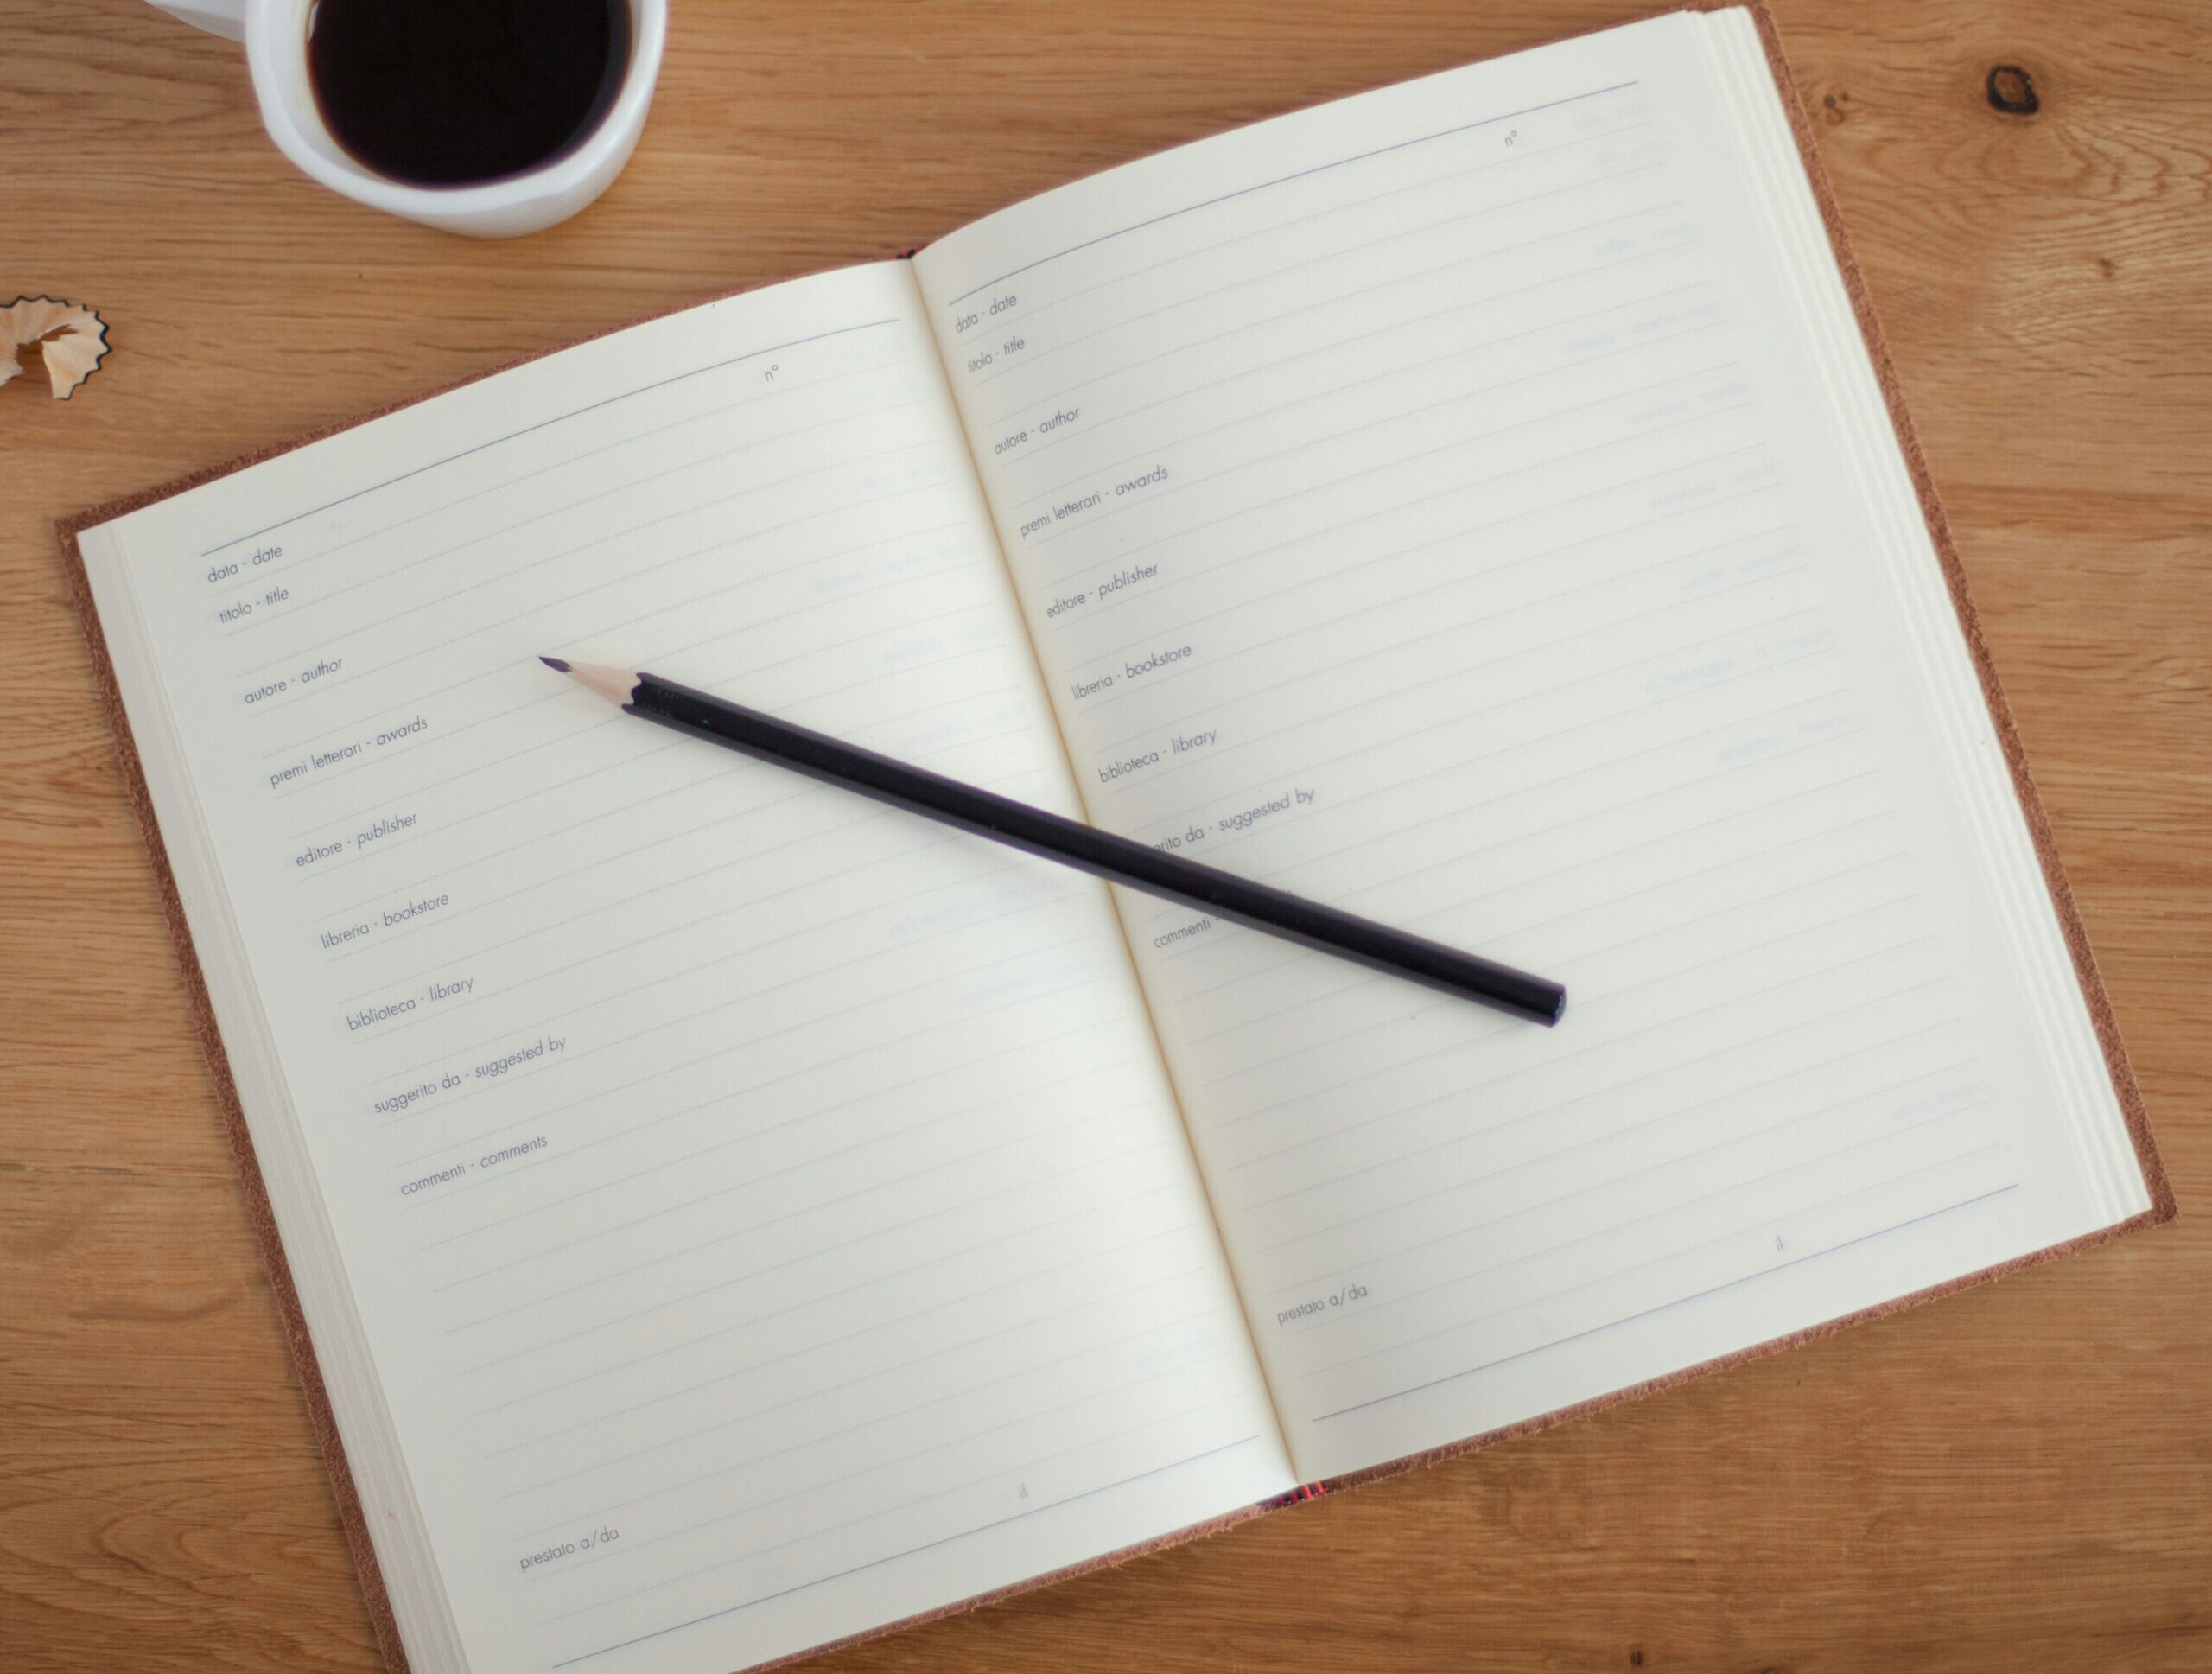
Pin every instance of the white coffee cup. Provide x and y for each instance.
(276, 37)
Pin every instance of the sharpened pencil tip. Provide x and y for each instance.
(616, 686)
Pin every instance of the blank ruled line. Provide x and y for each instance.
(1453, 1047)
(1034, 357)
(1523, 885)
(965, 1298)
(1696, 1108)
(541, 973)
(1308, 860)
(913, 1551)
(964, 654)
(1026, 459)
(1734, 905)
(1183, 1367)
(1274, 412)
(287, 565)
(1551, 1206)
(662, 840)
(964, 1113)
(1089, 1168)
(1486, 578)
(1026, 315)
(629, 438)
(1426, 774)
(1056, 1307)
(667, 1304)
(1802, 1165)
(714, 868)
(997, 1333)
(628, 579)
(539, 561)
(1608, 946)
(1373, 514)
(710, 770)
(381, 1035)
(1853, 916)
(1680, 1302)
(1703, 1104)
(1519, 426)
(1396, 462)
(631, 1502)
(1732, 1000)
(633, 574)
(1254, 647)
(690, 603)
(544, 834)
(494, 1041)
(675, 1206)
(1730, 818)
(384, 711)
(415, 699)
(1124, 367)
(917, 1079)
(384, 577)
(658, 841)
(1606, 812)
(692, 600)
(1467, 630)
(693, 1479)
(814, 1115)
(1310, 1043)
(1340, 574)
(840, 1053)
(1505, 936)
(1817, 1021)
(845, 642)
(352, 816)
(558, 418)
(1285, 180)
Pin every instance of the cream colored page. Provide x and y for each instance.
(1424, 503)
(767, 1213)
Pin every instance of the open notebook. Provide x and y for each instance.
(726, 1215)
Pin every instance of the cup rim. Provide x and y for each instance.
(269, 25)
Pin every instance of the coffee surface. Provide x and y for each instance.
(459, 92)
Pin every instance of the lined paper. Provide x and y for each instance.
(1416, 504)
(765, 1213)
(731, 1216)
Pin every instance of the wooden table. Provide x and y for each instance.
(2017, 1478)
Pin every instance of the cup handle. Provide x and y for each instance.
(223, 17)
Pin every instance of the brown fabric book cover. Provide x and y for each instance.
(273, 1254)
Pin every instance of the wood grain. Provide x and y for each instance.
(2017, 1478)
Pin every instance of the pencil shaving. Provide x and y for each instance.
(73, 338)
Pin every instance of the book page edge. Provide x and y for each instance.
(2158, 1187)
(259, 1213)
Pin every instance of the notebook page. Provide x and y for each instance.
(1418, 503)
(731, 1214)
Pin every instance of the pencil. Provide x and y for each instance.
(1117, 859)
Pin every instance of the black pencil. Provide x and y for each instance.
(1071, 842)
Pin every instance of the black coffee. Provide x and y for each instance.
(457, 92)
